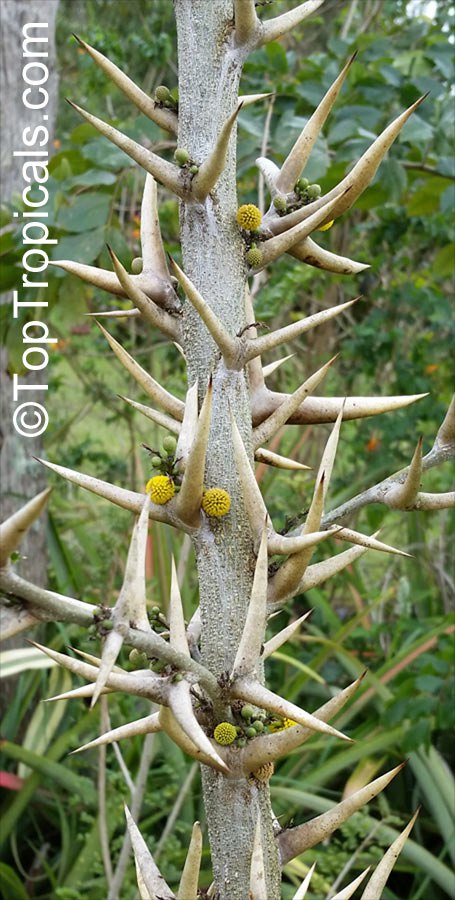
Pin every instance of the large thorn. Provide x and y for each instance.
(321, 258)
(271, 367)
(274, 28)
(282, 636)
(119, 496)
(153, 255)
(146, 725)
(165, 118)
(212, 167)
(189, 425)
(250, 690)
(155, 415)
(300, 894)
(79, 693)
(404, 496)
(435, 501)
(152, 313)
(131, 605)
(188, 501)
(280, 416)
(249, 649)
(115, 314)
(350, 889)
(294, 841)
(329, 454)
(270, 172)
(365, 169)
(275, 246)
(380, 875)
(446, 434)
(16, 526)
(268, 747)
(172, 728)
(152, 285)
(320, 572)
(279, 544)
(139, 684)
(165, 172)
(257, 346)
(179, 702)
(319, 410)
(286, 580)
(148, 873)
(228, 345)
(296, 160)
(257, 889)
(364, 540)
(151, 387)
(177, 629)
(252, 496)
(262, 455)
(188, 887)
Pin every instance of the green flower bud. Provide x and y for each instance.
(156, 462)
(247, 712)
(254, 257)
(169, 444)
(136, 265)
(92, 629)
(156, 610)
(301, 185)
(108, 624)
(250, 732)
(241, 742)
(314, 191)
(162, 93)
(181, 156)
(194, 170)
(279, 203)
(177, 677)
(258, 726)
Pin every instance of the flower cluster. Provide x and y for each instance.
(249, 217)
(216, 502)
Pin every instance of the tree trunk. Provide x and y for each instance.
(213, 258)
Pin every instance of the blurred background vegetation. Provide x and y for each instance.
(388, 614)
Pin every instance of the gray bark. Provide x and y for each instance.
(213, 253)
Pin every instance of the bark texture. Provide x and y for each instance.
(213, 258)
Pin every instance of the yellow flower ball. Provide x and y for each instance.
(216, 502)
(225, 733)
(326, 226)
(281, 724)
(249, 217)
(161, 489)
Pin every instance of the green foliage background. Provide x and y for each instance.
(388, 614)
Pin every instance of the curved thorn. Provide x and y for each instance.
(188, 501)
(284, 635)
(165, 118)
(153, 286)
(179, 702)
(263, 432)
(146, 725)
(165, 172)
(188, 887)
(404, 496)
(119, 496)
(155, 415)
(151, 387)
(146, 869)
(270, 173)
(296, 840)
(247, 689)
(212, 167)
(152, 313)
(297, 158)
(262, 455)
(13, 529)
(228, 345)
(319, 410)
(380, 875)
(321, 258)
(249, 649)
(257, 346)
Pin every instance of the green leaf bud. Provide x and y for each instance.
(181, 156)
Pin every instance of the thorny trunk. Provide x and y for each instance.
(213, 260)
